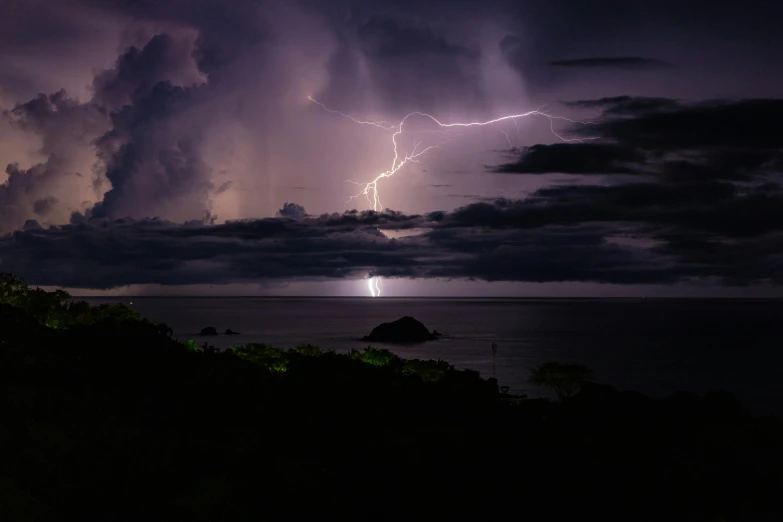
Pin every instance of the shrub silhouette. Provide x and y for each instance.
(380, 357)
(103, 416)
(309, 350)
(271, 358)
(564, 379)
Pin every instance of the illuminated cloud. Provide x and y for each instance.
(157, 118)
(561, 234)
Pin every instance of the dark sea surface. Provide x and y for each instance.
(655, 346)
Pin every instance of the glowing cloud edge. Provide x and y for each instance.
(370, 190)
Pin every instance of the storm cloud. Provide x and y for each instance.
(575, 158)
(637, 233)
(204, 107)
(144, 142)
(669, 141)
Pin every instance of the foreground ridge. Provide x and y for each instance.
(104, 416)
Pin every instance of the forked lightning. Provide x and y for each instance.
(370, 190)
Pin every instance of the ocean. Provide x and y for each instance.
(654, 346)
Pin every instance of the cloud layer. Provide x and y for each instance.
(185, 122)
(204, 107)
(634, 233)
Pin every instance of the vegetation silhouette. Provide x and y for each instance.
(564, 379)
(104, 416)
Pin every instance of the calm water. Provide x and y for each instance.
(652, 346)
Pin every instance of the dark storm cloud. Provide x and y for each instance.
(292, 210)
(627, 105)
(690, 220)
(619, 62)
(711, 209)
(671, 141)
(707, 201)
(548, 254)
(735, 165)
(575, 158)
(138, 71)
(136, 151)
(753, 124)
(632, 234)
(161, 122)
(715, 209)
(147, 250)
(111, 254)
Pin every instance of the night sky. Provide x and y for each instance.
(169, 147)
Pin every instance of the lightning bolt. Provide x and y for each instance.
(374, 285)
(370, 190)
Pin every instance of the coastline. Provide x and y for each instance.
(105, 416)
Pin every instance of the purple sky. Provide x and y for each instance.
(170, 148)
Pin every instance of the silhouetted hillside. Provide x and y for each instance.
(105, 417)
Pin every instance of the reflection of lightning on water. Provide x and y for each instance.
(370, 190)
(374, 284)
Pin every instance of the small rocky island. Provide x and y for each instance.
(211, 330)
(404, 330)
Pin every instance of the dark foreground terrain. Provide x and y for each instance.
(104, 417)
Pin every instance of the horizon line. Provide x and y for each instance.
(416, 297)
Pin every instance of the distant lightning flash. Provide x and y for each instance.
(374, 285)
(370, 190)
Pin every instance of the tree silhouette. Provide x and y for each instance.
(565, 379)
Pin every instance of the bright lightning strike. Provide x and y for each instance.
(370, 190)
(374, 285)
